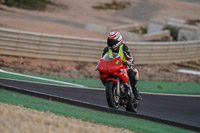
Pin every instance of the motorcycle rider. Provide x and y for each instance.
(115, 44)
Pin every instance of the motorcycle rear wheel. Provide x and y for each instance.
(132, 106)
(111, 94)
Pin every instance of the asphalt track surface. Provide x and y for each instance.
(181, 109)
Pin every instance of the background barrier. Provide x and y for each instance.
(37, 45)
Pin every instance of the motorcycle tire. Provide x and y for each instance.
(112, 99)
(132, 106)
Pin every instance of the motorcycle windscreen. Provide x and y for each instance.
(110, 56)
(109, 65)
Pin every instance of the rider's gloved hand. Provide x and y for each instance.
(129, 63)
(96, 67)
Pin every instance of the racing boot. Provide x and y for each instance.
(136, 93)
(134, 77)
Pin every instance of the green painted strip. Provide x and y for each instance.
(170, 87)
(133, 124)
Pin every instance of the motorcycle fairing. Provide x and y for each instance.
(110, 68)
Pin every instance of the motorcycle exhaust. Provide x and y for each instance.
(130, 88)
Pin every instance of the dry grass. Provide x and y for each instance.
(16, 119)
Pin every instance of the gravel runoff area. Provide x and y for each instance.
(17, 119)
(67, 17)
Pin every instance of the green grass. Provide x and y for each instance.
(114, 5)
(144, 86)
(130, 123)
(28, 4)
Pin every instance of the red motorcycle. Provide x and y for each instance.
(114, 75)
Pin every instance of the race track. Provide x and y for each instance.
(181, 109)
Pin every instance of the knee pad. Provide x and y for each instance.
(136, 74)
(133, 74)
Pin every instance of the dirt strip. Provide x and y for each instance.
(17, 119)
(72, 69)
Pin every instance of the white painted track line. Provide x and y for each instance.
(34, 77)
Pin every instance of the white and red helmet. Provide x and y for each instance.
(114, 39)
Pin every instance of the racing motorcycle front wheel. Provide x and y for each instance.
(113, 99)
